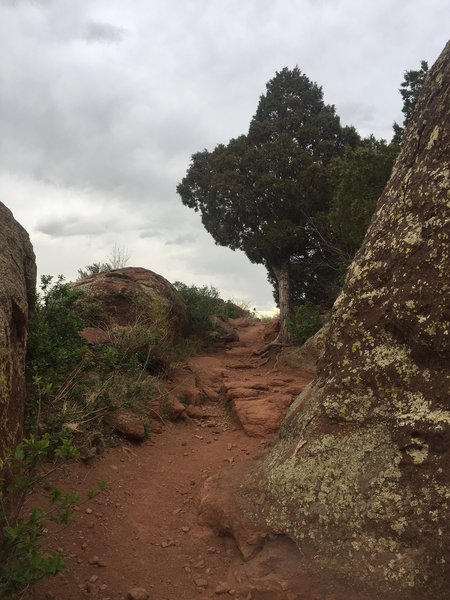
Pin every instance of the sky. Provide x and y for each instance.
(103, 102)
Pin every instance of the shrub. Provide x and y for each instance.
(22, 561)
(71, 384)
(203, 303)
(305, 322)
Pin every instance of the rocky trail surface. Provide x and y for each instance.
(146, 537)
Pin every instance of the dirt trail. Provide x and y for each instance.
(144, 531)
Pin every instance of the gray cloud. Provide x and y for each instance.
(103, 33)
(102, 105)
(188, 238)
(72, 226)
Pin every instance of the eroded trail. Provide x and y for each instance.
(145, 532)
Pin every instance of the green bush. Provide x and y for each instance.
(306, 322)
(22, 561)
(72, 384)
(54, 345)
(203, 303)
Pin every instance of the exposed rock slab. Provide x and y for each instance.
(220, 510)
(307, 356)
(209, 372)
(261, 417)
(127, 424)
(136, 296)
(17, 290)
(360, 474)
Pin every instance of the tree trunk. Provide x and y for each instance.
(281, 271)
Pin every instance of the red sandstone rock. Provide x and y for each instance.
(136, 296)
(127, 423)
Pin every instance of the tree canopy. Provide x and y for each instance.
(409, 90)
(260, 192)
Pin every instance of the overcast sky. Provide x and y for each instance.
(102, 103)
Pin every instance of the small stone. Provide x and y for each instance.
(187, 568)
(84, 545)
(94, 578)
(185, 529)
(94, 560)
(222, 588)
(89, 511)
(200, 582)
(137, 593)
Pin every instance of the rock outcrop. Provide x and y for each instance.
(306, 356)
(136, 296)
(17, 290)
(360, 474)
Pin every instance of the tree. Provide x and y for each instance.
(260, 192)
(410, 89)
(361, 174)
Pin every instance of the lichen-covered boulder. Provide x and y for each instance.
(17, 291)
(135, 296)
(360, 474)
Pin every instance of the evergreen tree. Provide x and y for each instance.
(261, 192)
(410, 89)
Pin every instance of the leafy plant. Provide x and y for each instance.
(93, 269)
(203, 303)
(22, 561)
(306, 322)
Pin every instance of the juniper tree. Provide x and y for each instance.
(260, 192)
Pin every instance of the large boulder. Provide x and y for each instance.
(17, 291)
(360, 474)
(136, 296)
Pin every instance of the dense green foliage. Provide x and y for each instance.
(410, 90)
(54, 345)
(306, 321)
(71, 384)
(360, 175)
(261, 191)
(298, 191)
(203, 303)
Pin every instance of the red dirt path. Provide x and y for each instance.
(144, 531)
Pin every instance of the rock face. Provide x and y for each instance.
(137, 296)
(306, 356)
(17, 290)
(359, 476)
